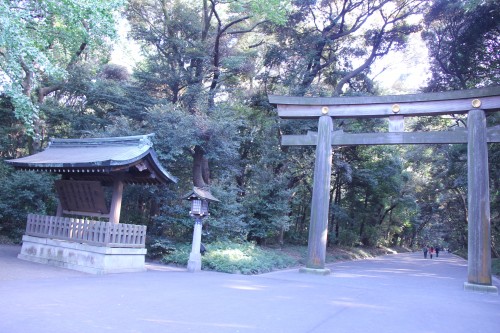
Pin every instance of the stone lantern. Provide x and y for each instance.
(200, 199)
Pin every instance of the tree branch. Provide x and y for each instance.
(387, 211)
(28, 78)
(44, 91)
(247, 30)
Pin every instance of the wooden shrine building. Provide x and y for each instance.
(476, 103)
(85, 234)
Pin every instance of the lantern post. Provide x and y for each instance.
(200, 199)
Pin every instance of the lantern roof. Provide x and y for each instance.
(131, 157)
(200, 193)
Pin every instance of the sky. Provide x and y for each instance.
(126, 52)
(403, 72)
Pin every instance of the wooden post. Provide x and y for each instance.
(116, 201)
(59, 211)
(318, 226)
(396, 124)
(479, 242)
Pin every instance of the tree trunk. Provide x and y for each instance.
(201, 172)
(334, 223)
(363, 221)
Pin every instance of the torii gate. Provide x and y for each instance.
(475, 103)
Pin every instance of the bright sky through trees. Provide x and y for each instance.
(403, 72)
(126, 51)
(400, 72)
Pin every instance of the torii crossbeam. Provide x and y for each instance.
(475, 103)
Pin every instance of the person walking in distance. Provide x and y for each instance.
(431, 251)
(437, 251)
(425, 249)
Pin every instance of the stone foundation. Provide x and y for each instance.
(479, 288)
(315, 271)
(82, 257)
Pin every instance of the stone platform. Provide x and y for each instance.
(82, 257)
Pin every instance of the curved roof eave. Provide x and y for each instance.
(104, 154)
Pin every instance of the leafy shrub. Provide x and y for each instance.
(348, 237)
(179, 256)
(22, 193)
(159, 247)
(495, 266)
(244, 258)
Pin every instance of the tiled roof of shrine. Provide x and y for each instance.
(131, 157)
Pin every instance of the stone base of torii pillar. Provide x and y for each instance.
(315, 271)
(479, 288)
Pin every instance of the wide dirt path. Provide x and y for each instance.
(394, 293)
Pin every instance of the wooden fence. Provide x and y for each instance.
(86, 231)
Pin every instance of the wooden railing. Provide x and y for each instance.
(86, 231)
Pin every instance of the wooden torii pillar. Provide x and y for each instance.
(475, 103)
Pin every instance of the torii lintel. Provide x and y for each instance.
(426, 104)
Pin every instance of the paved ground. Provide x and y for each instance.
(394, 293)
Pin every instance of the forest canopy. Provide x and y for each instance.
(201, 84)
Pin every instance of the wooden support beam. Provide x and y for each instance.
(116, 201)
(309, 139)
(340, 138)
(59, 211)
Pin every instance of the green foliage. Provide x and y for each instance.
(226, 221)
(159, 247)
(227, 257)
(347, 237)
(377, 205)
(39, 39)
(179, 256)
(22, 193)
(320, 50)
(274, 10)
(95, 101)
(495, 266)
(267, 205)
(11, 140)
(244, 258)
(203, 84)
(178, 131)
(461, 37)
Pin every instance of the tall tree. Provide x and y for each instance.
(40, 41)
(463, 38)
(327, 47)
(189, 47)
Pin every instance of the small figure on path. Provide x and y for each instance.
(431, 251)
(425, 249)
(437, 251)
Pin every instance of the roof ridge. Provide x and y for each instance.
(138, 140)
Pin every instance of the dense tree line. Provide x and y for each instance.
(201, 87)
